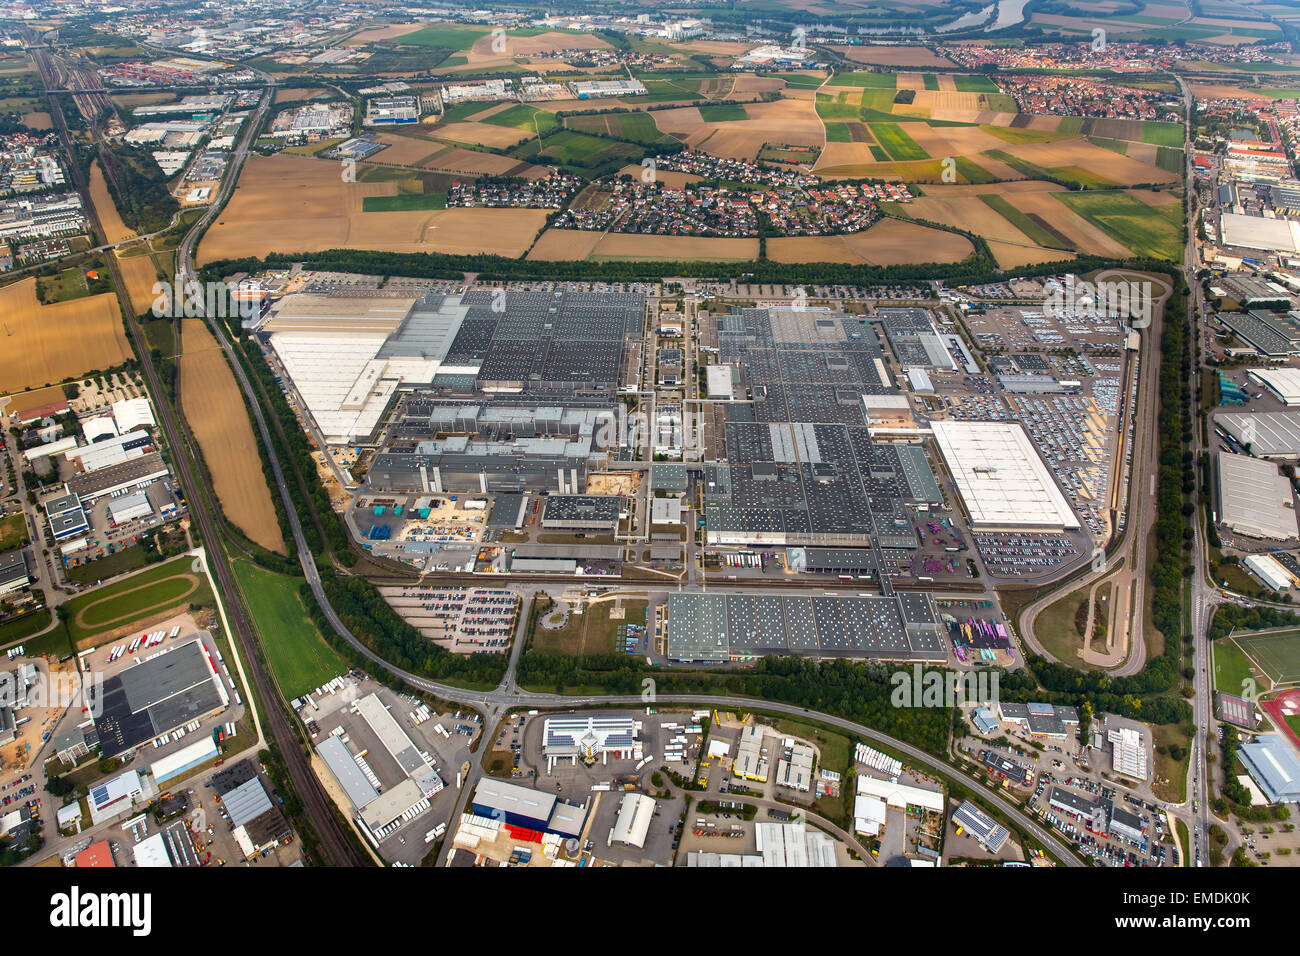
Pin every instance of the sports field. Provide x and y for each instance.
(162, 588)
(298, 655)
(1275, 652)
(1231, 667)
(45, 344)
(215, 410)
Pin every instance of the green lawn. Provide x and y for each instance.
(25, 626)
(161, 586)
(1276, 652)
(1231, 667)
(579, 149)
(899, 146)
(404, 203)
(974, 83)
(110, 566)
(1147, 230)
(297, 653)
(13, 531)
(729, 113)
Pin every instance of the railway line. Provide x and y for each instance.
(336, 844)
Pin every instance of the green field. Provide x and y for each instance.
(1162, 134)
(579, 149)
(458, 38)
(801, 81)
(972, 172)
(404, 203)
(1277, 652)
(1231, 667)
(162, 586)
(462, 111)
(879, 81)
(297, 653)
(1147, 230)
(972, 83)
(878, 154)
(899, 146)
(524, 117)
(728, 113)
(1041, 232)
(25, 626)
(931, 81)
(13, 531)
(838, 133)
(637, 127)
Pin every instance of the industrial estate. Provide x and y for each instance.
(782, 435)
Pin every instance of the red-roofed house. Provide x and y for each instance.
(97, 854)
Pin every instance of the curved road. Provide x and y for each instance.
(508, 694)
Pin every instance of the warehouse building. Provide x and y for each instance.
(751, 759)
(1267, 333)
(1001, 478)
(1273, 765)
(588, 738)
(392, 110)
(1269, 571)
(583, 512)
(135, 473)
(65, 516)
(1040, 720)
(794, 769)
(116, 796)
(633, 822)
(1125, 825)
(513, 804)
(1255, 499)
(1004, 767)
(987, 832)
(716, 627)
(1256, 232)
(13, 572)
(1264, 434)
(187, 758)
(156, 695)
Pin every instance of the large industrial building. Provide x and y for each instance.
(1283, 383)
(1274, 766)
(713, 628)
(1264, 434)
(1255, 499)
(1001, 477)
(986, 831)
(1256, 232)
(156, 695)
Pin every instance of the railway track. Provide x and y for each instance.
(336, 844)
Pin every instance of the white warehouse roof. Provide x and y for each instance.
(1255, 498)
(633, 821)
(1001, 477)
(1285, 382)
(1269, 570)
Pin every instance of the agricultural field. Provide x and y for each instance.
(566, 244)
(896, 143)
(164, 588)
(902, 56)
(215, 410)
(637, 127)
(290, 204)
(1155, 231)
(298, 655)
(45, 344)
(784, 121)
(139, 274)
(115, 230)
(889, 242)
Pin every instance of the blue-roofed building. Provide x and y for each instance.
(984, 720)
(513, 804)
(986, 831)
(1274, 766)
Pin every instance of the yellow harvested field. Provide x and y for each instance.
(45, 344)
(542, 43)
(139, 274)
(669, 178)
(406, 150)
(286, 203)
(891, 242)
(679, 248)
(215, 410)
(390, 32)
(1214, 91)
(483, 134)
(782, 121)
(913, 56)
(1012, 256)
(115, 230)
(294, 95)
(468, 162)
(565, 244)
(946, 100)
(1098, 161)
